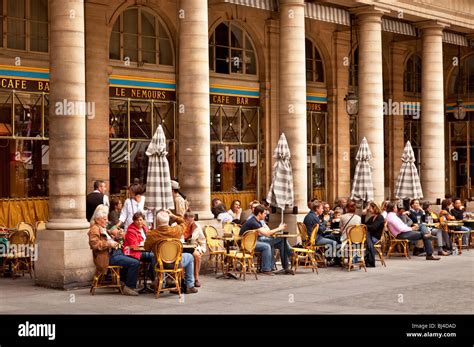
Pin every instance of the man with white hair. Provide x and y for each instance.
(106, 251)
(163, 232)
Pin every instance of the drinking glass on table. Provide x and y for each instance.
(418, 218)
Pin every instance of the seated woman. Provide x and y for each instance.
(106, 252)
(194, 234)
(336, 218)
(375, 223)
(114, 212)
(348, 219)
(134, 239)
(444, 243)
(235, 211)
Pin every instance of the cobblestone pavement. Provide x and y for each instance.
(414, 286)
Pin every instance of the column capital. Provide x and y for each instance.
(433, 27)
(369, 13)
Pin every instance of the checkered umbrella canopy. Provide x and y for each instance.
(363, 188)
(158, 186)
(408, 184)
(281, 190)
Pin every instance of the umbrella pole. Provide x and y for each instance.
(281, 216)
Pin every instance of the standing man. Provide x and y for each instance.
(96, 198)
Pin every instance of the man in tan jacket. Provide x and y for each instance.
(163, 232)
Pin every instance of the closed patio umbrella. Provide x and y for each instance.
(363, 188)
(281, 190)
(408, 183)
(158, 187)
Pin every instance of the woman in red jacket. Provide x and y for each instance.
(135, 239)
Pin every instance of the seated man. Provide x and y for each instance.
(246, 214)
(265, 242)
(310, 220)
(458, 213)
(106, 252)
(163, 232)
(403, 232)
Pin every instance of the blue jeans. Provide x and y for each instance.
(131, 265)
(417, 235)
(266, 250)
(331, 251)
(187, 262)
(282, 245)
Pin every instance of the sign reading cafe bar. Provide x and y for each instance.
(26, 79)
(235, 96)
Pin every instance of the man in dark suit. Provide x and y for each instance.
(96, 198)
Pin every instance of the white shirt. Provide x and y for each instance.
(130, 207)
(199, 239)
(106, 198)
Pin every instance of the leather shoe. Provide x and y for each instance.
(197, 284)
(269, 273)
(443, 253)
(191, 290)
(431, 257)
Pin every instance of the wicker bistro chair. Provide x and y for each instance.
(228, 227)
(216, 251)
(168, 259)
(396, 244)
(110, 279)
(19, 255)
(380, 245)
(356, 236)
(307, 255)
(29, 228)
(40, 226)
(244, 257)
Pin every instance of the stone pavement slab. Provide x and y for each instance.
(414, 286)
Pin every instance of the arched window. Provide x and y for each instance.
(314, 63)
(466, 84)
(412, 82)
(139, 36)
(231, 51)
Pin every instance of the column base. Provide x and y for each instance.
(64, 259)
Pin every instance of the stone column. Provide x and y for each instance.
(396, 128)
(64, 257)
(193, 106)
(97, 94)
(370, 116)
(293, 94)
(339, 170)
(432, 112)
(271, 114)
